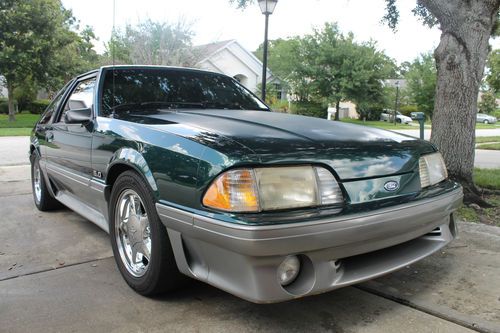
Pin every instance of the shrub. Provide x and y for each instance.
(311, 109)
(408, 109)
(25, 93)
(488, 103)
(370, 113)
(35, 107)
(38, 106)
(4, 106)
(280, 106)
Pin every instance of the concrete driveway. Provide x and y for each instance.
(14, 150)
(57, 275)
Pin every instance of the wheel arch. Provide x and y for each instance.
(127, 159)
(34, 150)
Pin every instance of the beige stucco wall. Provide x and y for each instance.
(351, 111)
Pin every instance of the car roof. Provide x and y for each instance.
(176, 68)
(94, 71)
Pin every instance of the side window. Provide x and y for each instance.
(54, 105)
(47, 115)
(81, 97)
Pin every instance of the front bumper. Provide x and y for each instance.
(334, 252)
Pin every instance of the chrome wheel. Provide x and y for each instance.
(133, 234)
(37, 187)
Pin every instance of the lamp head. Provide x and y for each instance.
(267, 6)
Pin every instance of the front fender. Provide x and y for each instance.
(133, 159)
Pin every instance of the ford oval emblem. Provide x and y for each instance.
(391, 185)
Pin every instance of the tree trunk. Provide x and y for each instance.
(460, 59)
(337, 108)
(10, 95)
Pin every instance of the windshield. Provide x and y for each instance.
(134, 89)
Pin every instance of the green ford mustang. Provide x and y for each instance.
(192, 175)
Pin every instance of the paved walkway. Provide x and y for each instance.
(489, 159)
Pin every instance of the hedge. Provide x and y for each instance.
(408, 109)
(310, 109)
(4, 106)
(370, 113)
(38, 106)
(35, 107)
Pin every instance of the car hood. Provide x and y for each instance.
(353, 151)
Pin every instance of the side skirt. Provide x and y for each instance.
(84, 210)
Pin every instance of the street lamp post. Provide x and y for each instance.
(397, 100)
(267, 8)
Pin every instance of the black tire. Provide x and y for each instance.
(43, 199)
(486, 122)
(398, 120)
(161, 274)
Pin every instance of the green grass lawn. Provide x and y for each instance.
(15, 131)
(487, 178)
(493, 142)
(487, 126)
(490, 179)
(489, 146)
(22, 126)
(481, 139)
(415, 126)
(23, 120)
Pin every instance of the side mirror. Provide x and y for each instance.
(78, 116)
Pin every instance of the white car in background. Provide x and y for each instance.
(485, 118)
(388, 115)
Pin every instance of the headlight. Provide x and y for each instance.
(263, 189)
(432, 169)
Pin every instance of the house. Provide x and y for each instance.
(480, 98)
(231, 58)
(400, 83)
(3, 88)
(346, 110)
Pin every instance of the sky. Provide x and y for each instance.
(217, 20)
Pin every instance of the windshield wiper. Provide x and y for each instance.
(156, 104)
(232, 106)
(226, 106)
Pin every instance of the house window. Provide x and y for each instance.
(241, 79)
(279, 92)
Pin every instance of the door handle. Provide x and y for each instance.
(49, 136)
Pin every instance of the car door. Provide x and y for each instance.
(68, 146)
(46, 120)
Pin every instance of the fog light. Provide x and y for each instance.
(288, 270)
